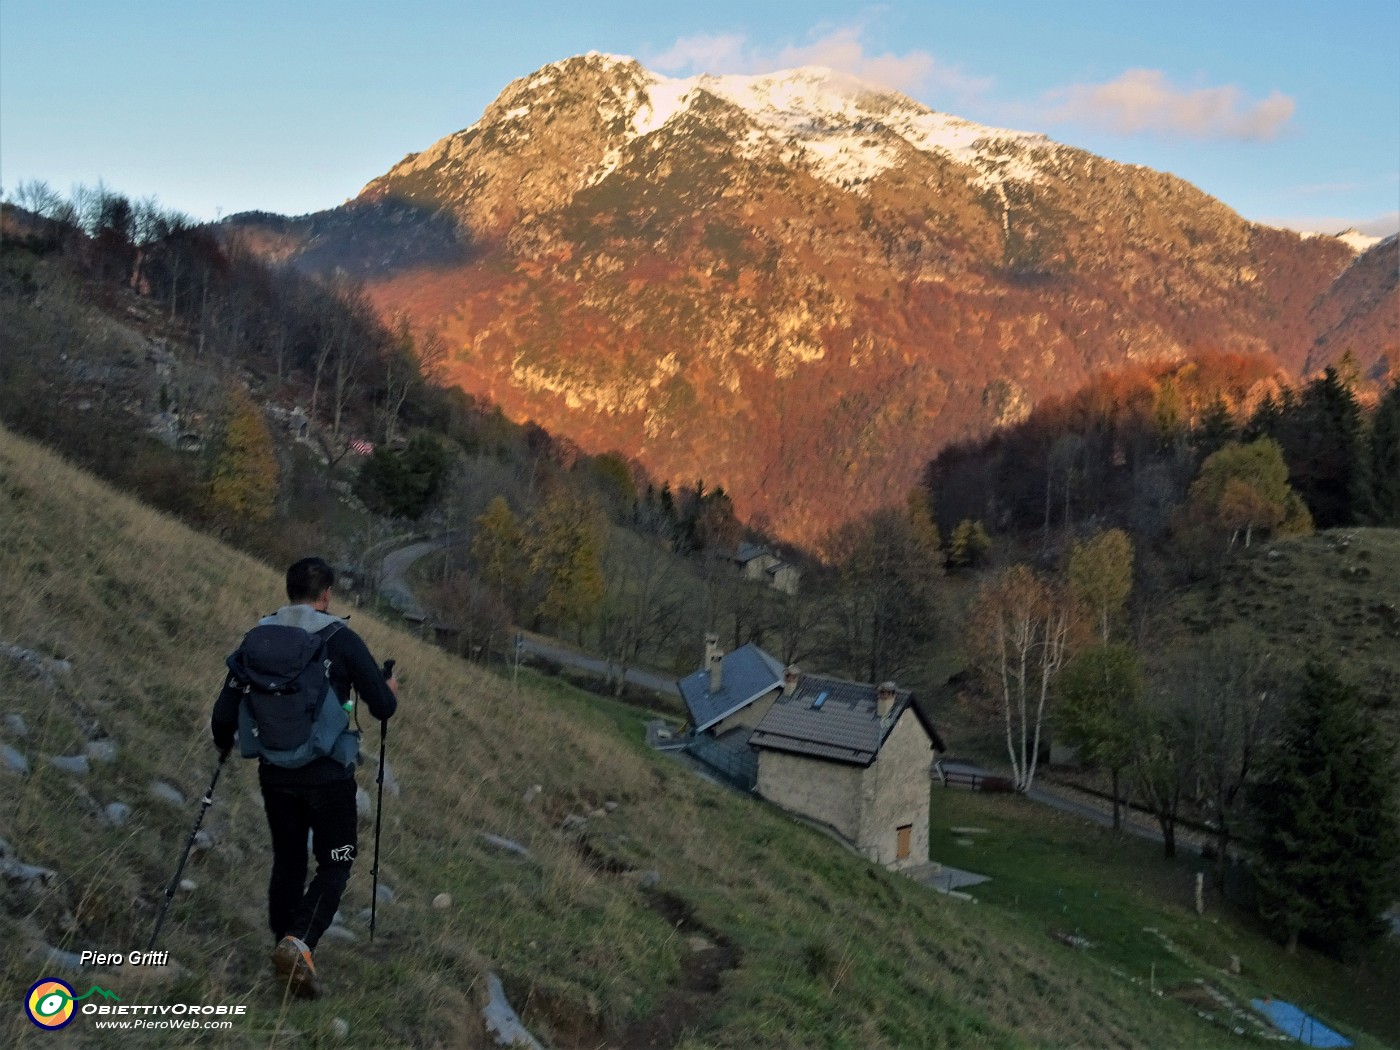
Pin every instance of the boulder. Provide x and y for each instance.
(73, 765)
(166, 793)
(26, 876)
(115, 814)
(502, 1021)
(33, 665)
(104, 750)
(507, 845)
(13, 760)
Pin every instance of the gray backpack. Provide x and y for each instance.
(289, 715)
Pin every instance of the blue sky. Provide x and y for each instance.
(1288, 111)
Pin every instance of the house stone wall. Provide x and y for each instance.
(825, 791)
(786, 579)
(894, 792)
(756, 568)
(748, 716)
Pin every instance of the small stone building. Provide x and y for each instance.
(732, 691)
(759, 563)
(851, 756)
(855, 757)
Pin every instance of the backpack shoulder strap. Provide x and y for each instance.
(325, 632)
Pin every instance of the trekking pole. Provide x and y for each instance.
(379, 809)
(204, 805)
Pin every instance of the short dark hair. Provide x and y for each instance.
(308, 579)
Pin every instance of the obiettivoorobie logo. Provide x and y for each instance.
(50, 1002)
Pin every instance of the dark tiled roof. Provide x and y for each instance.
(843, 728)
(746, 674)
(749, 551)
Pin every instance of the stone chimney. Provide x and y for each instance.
(714, 662)
(790, 679)
(884, 699)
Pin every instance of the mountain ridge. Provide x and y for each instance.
(804, 296)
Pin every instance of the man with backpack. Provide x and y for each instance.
(287, 698)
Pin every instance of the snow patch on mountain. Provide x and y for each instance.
(1358, 241)
(1353, 238)
(850, 130)
(847, 130)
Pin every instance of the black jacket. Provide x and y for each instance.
(351, 666)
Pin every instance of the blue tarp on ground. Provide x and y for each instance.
(1295, 1024)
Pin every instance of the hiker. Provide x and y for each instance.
(306, 771)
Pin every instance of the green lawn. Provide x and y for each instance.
(1064, 878)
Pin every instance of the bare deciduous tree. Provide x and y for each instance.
(1018, 634)
(642, 610)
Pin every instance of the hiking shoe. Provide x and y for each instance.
(292, 958)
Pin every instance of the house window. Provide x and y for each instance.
(902, 838)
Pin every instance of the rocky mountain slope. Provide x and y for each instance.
(800, 286)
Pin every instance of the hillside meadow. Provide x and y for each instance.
(642, 907)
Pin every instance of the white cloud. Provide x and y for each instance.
(1379, 226)
(1145, 101)
(704, 52)
(841, 49)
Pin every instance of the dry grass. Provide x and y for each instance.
(832, 952)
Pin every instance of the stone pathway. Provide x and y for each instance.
(945, 879)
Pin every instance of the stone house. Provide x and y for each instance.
(850, 756)
(759, 563)
(855, 757)
(732, 692)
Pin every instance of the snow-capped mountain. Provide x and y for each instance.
(842, 129)
(799, 285)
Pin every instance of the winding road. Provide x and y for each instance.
(394, 588)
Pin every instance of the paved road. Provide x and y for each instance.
(393, 575)
(393, 586)
(1134, 823)
(551, 649)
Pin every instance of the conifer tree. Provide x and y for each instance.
(243, 486)
(1323, 444)
(564, 538)
(403, 483)
(1216, 428)
(498, 549)
(1384, 503)
(1329, 833)
(919, 504)
(969, 544)
(889, 574)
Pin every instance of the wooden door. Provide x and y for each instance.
(903, 834)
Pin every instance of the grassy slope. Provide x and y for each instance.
(1062, 877)
(1334, 594)
(833, 952)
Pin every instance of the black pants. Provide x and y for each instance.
(327, 811)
